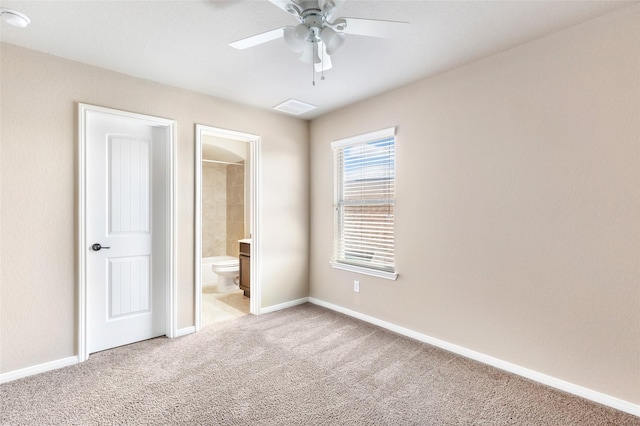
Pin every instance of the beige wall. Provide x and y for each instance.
(518, 206)
(38, 194)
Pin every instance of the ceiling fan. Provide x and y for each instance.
(317, 37)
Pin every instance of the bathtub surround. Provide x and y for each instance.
(235, 207)
(223, 194)
(222, 208)
(207, 276)
(214, 209)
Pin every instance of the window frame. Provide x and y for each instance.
(338, 187)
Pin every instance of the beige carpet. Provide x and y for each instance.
(302, 366)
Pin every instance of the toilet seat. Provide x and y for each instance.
(228, 262)
(226, 265)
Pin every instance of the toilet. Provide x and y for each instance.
(227, 270)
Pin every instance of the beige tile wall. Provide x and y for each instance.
(214, 209)
(222, 208)
(235, 207)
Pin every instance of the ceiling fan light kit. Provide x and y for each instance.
(316, 37)
(15, 18)
(310, 54)
(332, 40)
(296, 37)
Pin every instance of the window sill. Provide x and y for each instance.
(366, 271)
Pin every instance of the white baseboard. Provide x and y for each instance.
(37, 369)
(184, 331)
(65, 362)
(285, 305)
(601, 398)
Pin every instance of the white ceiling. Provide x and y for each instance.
(186, 43)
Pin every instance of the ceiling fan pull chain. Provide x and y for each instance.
(322, 76)
(313, 65)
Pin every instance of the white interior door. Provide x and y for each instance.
(126, 290)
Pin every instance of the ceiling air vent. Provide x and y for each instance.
(294, 106)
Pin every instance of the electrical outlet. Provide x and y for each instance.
(356, 286)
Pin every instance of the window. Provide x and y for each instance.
(364, 197)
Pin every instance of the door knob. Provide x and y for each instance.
(98, 247)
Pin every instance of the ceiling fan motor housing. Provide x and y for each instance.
(314, 21)
(314, 28)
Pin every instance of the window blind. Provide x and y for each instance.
(364, 178)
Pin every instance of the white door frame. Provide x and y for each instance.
(171, 128)
(255, 282)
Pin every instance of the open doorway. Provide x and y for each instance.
(226, 275)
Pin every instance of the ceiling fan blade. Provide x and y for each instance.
(325, 59)
(258, 39)
(376, 28)
(330, 7)
(288, 6)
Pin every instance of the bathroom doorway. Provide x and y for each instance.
(227, 284)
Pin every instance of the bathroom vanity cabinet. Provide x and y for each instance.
(245, 263)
